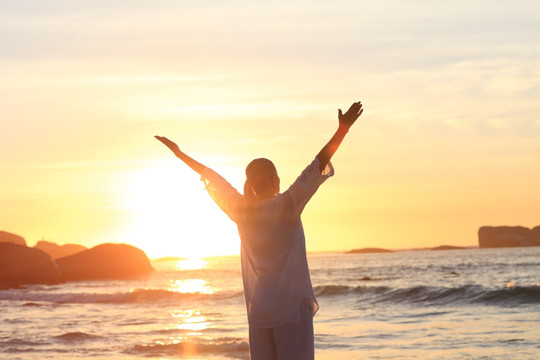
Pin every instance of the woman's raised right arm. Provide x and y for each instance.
(192, 163)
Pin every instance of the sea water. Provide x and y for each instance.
(455, 304)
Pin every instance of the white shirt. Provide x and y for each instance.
(273, 251)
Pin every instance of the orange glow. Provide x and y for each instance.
(448, 141)
(173, 215)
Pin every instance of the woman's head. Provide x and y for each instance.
(262, 180)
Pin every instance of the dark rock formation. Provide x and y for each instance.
(534, 235)
(368, 251)
(58, 251)
(23, 265)
(7, 278)
(11, 238)
(105, 261)
(508, 236)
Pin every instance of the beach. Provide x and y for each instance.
(455, 304)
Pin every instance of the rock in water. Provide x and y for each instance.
(11, 238)
(105, 261)
(7, 278)
(58, 251)
(534, 235)
(507, 236)
(23, 265)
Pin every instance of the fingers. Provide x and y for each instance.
(163, 139)
(355, 108)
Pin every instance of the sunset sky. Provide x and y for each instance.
(449, 139)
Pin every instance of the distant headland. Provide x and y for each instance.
(368, 251)
(379, 250)
(448, 247)
(488, 237)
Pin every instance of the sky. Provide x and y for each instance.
(448, 141)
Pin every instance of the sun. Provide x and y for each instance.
(171, 214)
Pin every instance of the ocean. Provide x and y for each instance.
(422, 304)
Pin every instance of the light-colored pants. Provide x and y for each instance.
(292, 340)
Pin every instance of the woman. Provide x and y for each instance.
(277, 287)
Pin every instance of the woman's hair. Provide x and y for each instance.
(258, 173)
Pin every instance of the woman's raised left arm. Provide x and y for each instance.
(192, 163)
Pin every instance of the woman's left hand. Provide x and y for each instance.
(170, 144)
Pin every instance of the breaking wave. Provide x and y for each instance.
(136, 296)
(473, 294)
(76, 336)
(230, 347)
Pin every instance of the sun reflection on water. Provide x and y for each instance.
(190, 286)
(191, 323)
(190, 264)
(190, 320)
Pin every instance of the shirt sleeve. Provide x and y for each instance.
(307, 184)
(224, 194)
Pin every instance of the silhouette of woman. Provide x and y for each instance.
(277, 287)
